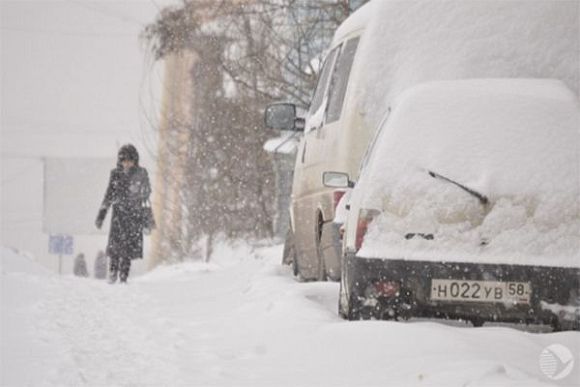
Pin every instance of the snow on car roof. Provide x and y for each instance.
(356, 21)
(514, 141)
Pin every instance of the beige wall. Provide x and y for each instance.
(172, 152)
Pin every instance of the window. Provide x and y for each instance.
(323, 81)
(378, 133)
(339, 80)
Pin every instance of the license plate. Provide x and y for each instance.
(480, 291)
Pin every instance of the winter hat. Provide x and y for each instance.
(128, 152)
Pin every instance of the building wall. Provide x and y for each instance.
(175, 124)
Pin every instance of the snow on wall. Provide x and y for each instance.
(410, 42)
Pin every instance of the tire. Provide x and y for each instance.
(354, 311)
(348, 307)
(343, 304)
(289, 253)
(477, 322)
(330, 251)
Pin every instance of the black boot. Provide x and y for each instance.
(124, 269)
(113, 276)
(113, 269)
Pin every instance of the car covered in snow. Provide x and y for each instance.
(468, 206)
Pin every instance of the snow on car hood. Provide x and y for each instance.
(517, 142)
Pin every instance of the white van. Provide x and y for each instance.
(386, 47)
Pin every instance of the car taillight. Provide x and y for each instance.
(365, 216)
(336, 196)
(388, 288)
(383, 289)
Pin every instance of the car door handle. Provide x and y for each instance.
(304, 152)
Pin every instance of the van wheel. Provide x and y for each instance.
(289, 253)
(321, 272)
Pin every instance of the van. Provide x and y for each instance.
(379, 51)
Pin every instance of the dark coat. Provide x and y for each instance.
(126, 192)
(101, 266)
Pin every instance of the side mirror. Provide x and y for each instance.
(282, 116)
(336, 180)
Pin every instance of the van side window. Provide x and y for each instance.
(323, 81)
(339, 80)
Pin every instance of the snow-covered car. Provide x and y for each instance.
(468, 207)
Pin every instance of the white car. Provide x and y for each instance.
(468, 207)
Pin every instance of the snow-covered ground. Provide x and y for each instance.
(240, 320)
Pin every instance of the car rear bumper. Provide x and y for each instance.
(554, 297)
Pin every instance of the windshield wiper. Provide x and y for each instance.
(482, 198)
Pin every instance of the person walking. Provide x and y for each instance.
(127, 192)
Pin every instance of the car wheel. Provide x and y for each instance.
(344, 306)
(556, 326)
(477, 322)
(348, 306)
(355, 311)
(342, 297)
(289, 253)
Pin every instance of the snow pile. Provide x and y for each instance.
(513, 141)
(410, 42)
